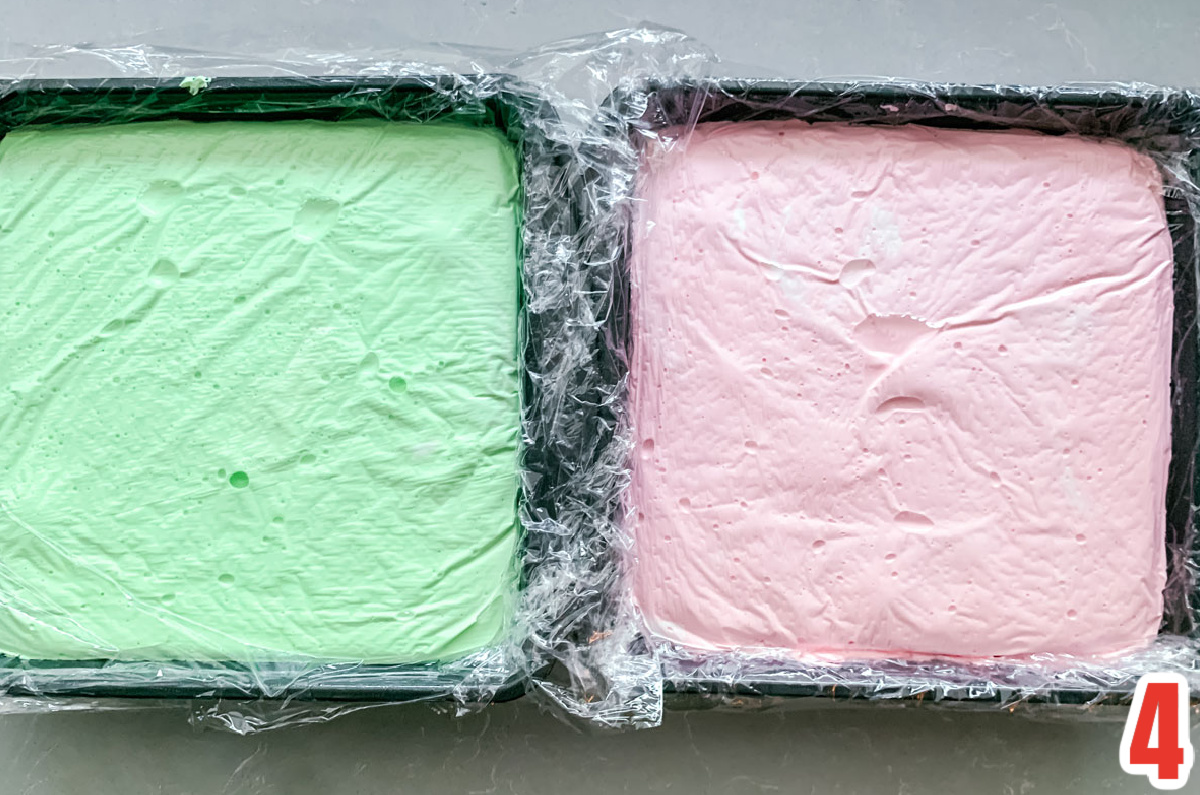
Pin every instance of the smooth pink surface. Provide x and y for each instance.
(900, 391)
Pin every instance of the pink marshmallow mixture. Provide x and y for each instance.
(900, 391)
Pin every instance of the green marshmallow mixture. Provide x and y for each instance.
(258, 391)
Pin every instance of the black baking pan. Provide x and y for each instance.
(1165, 122)
(485, 100)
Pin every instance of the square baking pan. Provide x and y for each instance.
(1154, 120)
(494, 101)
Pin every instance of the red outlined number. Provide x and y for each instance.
(1156, 742)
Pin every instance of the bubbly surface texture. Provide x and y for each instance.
(900, 391)
(258, 390)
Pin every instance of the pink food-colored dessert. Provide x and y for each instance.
(900, 391)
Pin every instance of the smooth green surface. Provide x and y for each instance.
(258, 390)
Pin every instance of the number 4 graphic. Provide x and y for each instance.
(1160, 714)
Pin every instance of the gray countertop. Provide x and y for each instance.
(515, 748)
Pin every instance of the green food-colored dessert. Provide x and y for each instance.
(258, 390)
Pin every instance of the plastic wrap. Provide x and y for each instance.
(1162, 123)
(593, 661)
(571, 454)
(579, 114)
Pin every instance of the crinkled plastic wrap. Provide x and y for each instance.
(594, 662)
(1161, 123)
(567, 448)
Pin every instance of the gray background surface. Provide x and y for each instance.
(514, 747)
